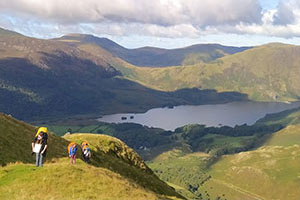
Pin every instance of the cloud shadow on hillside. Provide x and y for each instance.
(79, 87)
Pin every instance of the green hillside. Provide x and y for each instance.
(264, 73)
(61, 181)
(270, 170)
(157, 57)
(183, 157)
(116, 171)
(111, 153)
(16, 138)
(46, 79)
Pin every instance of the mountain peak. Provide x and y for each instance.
(86, 38)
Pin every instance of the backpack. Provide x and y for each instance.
(87, 152)
(85, 149)
(72, 148)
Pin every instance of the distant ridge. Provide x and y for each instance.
(159, 57)
(5, 32)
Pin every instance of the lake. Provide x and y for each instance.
(230, 114)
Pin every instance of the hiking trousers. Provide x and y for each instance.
(39, 160)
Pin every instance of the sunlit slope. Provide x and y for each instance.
(189, 174)
(270, 172)
(104, 144)
(266, 73)
(113, 154)
(115, 171)
(157, 57)
(59, 180)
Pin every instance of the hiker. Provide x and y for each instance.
(86, 152)
(39, 146)
(72, 149)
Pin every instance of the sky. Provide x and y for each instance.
(159, 23)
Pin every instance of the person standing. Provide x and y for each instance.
(39, 146)
(86, 152)
(72, 149)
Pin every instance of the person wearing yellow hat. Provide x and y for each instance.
(39, 145)
(86, 152)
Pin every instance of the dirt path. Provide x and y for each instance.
(241, 190)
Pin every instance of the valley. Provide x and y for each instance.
(209, 163)
(249, 152)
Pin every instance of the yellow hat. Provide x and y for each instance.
(41, 129)
(84, 143)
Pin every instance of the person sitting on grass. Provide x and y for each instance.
(72, 149)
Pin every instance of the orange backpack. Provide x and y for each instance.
(71, 145)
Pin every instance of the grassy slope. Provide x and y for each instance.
(269, 172)
(180, 169)
(61, 181)
(265, 73)
(116, 168)
(16, 138)
(109, 151)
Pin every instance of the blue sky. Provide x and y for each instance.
(160, 23)
(269, 4)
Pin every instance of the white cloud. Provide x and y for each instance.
(158, 12)
(281, 22)
(157, 18)
(288, 12)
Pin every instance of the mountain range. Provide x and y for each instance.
(79, 77)
(50, 78)
(82, 75)
(158, 57)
